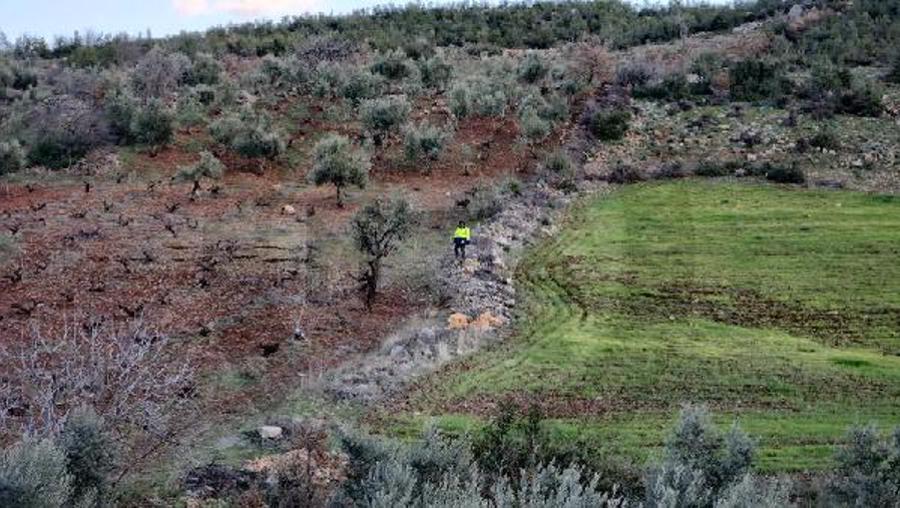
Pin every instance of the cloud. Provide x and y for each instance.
(246, 8)
(191, 7)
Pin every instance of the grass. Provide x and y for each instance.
(774, 305)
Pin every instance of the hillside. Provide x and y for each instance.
(227, 276)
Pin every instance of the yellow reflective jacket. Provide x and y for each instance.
(464, 233)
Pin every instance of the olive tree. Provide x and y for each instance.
(338, 162)
(383, 116)
(208, 167)
(377, 230)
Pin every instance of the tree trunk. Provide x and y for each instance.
(340, 200)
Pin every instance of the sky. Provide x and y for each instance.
(48, 18)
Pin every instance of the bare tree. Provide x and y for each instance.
(129, 375)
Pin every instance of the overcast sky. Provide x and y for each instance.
(47, 18)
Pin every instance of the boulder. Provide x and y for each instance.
(486, 321)
(457, 321)
(270, 432)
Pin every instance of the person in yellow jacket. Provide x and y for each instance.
(461, 238)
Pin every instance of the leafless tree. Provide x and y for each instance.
(130, 375)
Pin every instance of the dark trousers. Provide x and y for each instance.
(459, 247)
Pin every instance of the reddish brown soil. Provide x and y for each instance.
(224, 273)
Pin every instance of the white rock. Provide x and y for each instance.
(270, 432)
(288, 210)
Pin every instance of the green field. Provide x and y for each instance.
(776, 306)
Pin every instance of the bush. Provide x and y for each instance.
(435, 73)
(634, 74)
(33, 475)
(824, 139)
(699, 465)
(250, 134)
(360, 86)
(158, 73)
(153, 124)
(558, 162)
(204, 70)
(756, 80)
(393, 66)
(893, 74)
(673, 87)
(868, 471)
(532, 127)
(478, 97)
(208, 167)
(337, 162)
(89, 456)
(383, 116)
(63, 129)
(532, 69)
(861, 100)
(607, 124)
(714, 168)
(419, 49)
(484, 203)
(190, 111)
(12, 157)
(782, 174)
(625, 174)
(423, 141)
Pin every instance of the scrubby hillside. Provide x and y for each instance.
(217, 248)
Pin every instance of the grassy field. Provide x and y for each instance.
(777, 306)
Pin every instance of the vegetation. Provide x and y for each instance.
(377, 229)
(339, 163)
(208, 167)
(382, 117)
(423, 142)
(249, 133)
(12, 156)
(604, 336)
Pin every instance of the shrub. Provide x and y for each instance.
(392, 66)
(33, 475)
(634, 74)
(532, 69)
(698, 464)
(673, 87)
(714, 168)
(532, 127)
(63, 129)
(558, 162)
(12, 157)
(825, 139)
(250, 134)
(423, 141)
(868, 471)
(383, 116)
(756, 80)
(360, 86)
(120, 110)
(153, 124)
(189, 110)
(479, 97)
(607, 124)
(863, 99)
(783, 174)
(893, 74)
(89, 456)
(484, 203)
(337, 162)
(205, 70)
(625, 174)
(419, 49)
(435, 73)
(208, 167)
(158, 73)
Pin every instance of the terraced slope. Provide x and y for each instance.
(777, 305)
